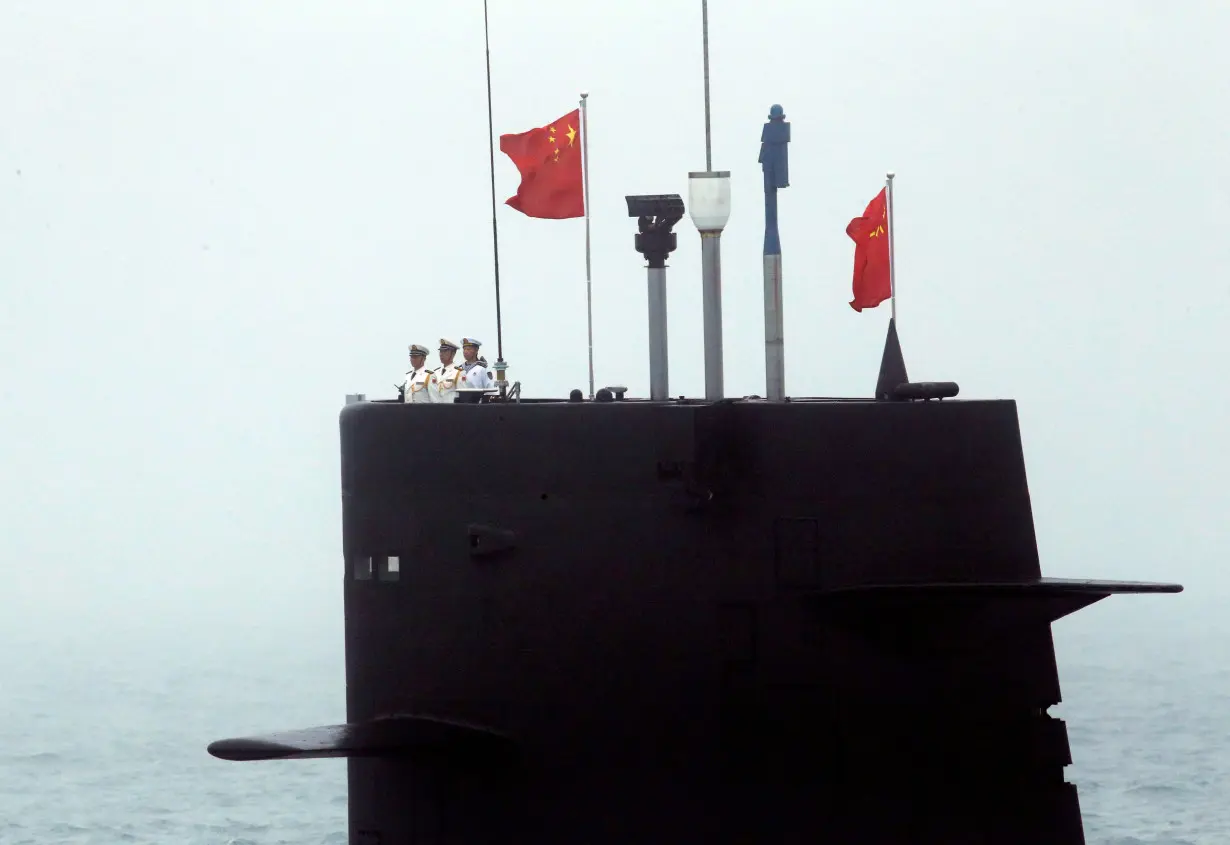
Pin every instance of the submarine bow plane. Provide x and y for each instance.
(691, 621)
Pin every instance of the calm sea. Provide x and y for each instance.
(103, 739)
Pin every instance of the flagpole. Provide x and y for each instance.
(589, 281)
(500, 366)
(892, 264)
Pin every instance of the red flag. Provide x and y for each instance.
(870, 236)
(549, 159)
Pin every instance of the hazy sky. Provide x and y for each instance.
(217, 219)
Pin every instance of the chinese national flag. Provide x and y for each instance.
(549, 159)
(870, 236)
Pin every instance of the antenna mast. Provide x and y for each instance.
(500, 365)
(704, 29)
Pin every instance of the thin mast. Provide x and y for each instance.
(704, 25)
(892, 258)
(589, 281)
(495, 232)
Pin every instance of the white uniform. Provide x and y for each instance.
(476, 376)
(418, 385)
(448, 378)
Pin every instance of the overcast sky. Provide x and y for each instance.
(218, 218)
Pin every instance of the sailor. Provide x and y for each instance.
(475, 368)
(418, 383)
(448, 375)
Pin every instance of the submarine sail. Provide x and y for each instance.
(814, 620)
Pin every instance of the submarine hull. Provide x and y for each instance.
(731, 622)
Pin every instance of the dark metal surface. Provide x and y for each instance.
(892, 365)
(384, 737)
(656, 215)
(774, 161)
(727, 623)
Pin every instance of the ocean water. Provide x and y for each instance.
(102, 740)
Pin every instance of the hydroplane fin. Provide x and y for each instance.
(389, 736)
(1052, 598)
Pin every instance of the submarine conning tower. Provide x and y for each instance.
(682, 621)
(687, 621)
(743, 621)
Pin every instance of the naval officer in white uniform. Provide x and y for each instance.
(476, 375)
(418, 384)
(448, 376)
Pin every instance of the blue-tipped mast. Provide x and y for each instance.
(774, 161)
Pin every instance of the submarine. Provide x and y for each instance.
(815, 620)
(672, 620)
(685, 621)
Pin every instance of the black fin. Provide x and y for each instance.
(383, 737)
(892, 365)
